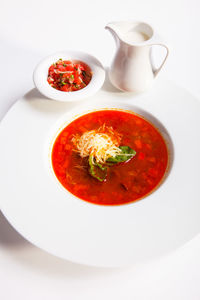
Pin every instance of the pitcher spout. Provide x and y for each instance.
(130, 32)
(112, 28)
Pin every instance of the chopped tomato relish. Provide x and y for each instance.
(68, 76)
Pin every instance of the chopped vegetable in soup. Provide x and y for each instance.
(110, 157)
(68, 76)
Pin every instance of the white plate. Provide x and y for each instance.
(41, 72)
(49, 217)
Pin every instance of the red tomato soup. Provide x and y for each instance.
(110, 157)
(69, 76)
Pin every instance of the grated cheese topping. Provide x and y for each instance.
(100, 144)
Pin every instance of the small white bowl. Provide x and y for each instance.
(41, 72)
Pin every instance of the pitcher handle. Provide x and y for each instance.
(157, 41)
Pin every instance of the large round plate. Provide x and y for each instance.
(52, 219)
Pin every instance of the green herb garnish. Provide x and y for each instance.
(126, 154)
(97, 170)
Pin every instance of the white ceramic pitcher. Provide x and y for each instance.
(131, 69)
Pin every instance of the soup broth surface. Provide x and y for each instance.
(125, 182)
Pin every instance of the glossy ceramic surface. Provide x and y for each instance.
(131, 69)
(63, 225)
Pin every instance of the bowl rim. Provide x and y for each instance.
(41, 71)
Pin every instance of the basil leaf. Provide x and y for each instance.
(103, 168)
(126, 154)
(97, 170)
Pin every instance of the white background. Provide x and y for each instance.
(28, 32)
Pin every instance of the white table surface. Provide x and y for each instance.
(28, 32)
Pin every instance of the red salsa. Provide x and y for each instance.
(125, 180)
(68, 76)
